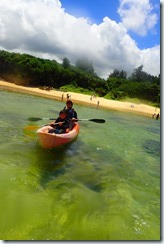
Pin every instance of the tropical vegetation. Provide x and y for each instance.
(27, 70)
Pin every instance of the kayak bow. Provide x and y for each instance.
(52, 140)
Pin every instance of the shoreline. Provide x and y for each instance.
(81, 99)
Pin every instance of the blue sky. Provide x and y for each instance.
(96, 10)
(112, 34)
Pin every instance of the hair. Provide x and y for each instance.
(69, 101)
(63, 112)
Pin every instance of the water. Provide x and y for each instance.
(103, 186)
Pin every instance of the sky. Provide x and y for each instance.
(112, 34)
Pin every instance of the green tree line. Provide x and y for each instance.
(27, 70)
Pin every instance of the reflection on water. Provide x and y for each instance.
(103, 186)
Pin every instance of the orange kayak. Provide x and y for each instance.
(52, 140)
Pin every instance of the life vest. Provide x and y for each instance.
(71, 113)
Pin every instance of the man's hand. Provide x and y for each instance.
(74, 119)
(60, 123)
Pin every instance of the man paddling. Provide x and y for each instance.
(71, 113)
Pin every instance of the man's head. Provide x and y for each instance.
(69, 104)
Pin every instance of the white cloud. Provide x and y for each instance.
(137, 15)
(150, 54)
(43, 28)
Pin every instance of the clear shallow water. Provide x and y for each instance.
(103, 186)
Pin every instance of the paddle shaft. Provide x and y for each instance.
(93, 120)
(35, 127)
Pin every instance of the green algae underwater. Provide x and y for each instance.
(103, 186)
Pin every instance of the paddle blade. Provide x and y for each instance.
(37, 118)
(97, 120)
(31, 127)
(34, 119)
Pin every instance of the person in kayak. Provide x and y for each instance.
(71, 113)
(63, 126)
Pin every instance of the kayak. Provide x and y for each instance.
(52, 140)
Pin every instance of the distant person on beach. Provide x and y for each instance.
(63, 126)
(153, 116)
(157, 117)
(68, 96)
(98, 103)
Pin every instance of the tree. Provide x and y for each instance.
(139, 75)
(66, 63)
(118, 74)
(85, 65)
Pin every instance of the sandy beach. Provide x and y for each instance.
(81, 99)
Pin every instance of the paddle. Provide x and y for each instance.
(35, 127)
(93, 120)
(37, 119)
(32, 127)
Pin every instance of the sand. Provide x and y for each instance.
(81, 99)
